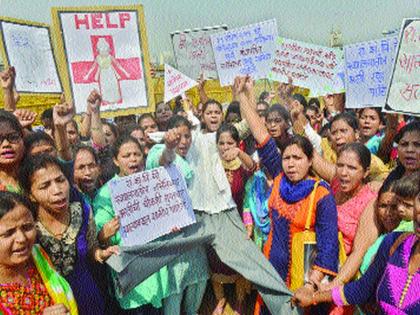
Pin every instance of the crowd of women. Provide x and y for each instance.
(314, 206)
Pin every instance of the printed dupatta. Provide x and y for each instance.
(57, 287)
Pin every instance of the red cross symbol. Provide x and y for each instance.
(106, 69)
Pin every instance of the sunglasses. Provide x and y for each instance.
(14, 137)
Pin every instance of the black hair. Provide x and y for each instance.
(111, 126)
(312, 107)
(11, 120)
(36, 138)
(233, 108)
(178, 109)
(303, 143)
(263, 103)
(9, 200)
(411, 127)
(123, 139)
(361, 151)
(32, 164)
(408, 186)
(145, 116)
(300, 98)
(378, 111)
(178, 121)
(281, 110)
(47, 114)
(212, 101)
(228, 128)
(89, 149)
(314, 101)
(347, 117)
(263, 96)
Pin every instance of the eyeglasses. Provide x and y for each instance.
(14, 137)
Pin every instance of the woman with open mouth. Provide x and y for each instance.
(28, 282)
(66, 229)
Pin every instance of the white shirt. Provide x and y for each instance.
(209, 189)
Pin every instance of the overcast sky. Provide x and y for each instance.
(305, 20)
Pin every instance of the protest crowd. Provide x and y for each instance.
(301, 205)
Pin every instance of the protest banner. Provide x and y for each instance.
(404, 88)
(368, 70)
(150, 204)
(27, 46)
(105, 48)
(314, 67)
(193, 51)
(176, 83)
(247, 50)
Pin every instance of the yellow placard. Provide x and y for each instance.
(62, 57)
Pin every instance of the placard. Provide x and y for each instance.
(368, 70)
(248, 50)
(105, 48)
(404, 87)
(314, 67)
(27, 46)
(150, 204)
(176, 83)
(193, 51)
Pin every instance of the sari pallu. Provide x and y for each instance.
(57, 287)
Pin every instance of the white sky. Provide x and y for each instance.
(305, 20)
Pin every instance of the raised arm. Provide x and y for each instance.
(243, 89)
(201, 91)
(62, 114)
(7, 79)
(391, 130)
(93, 107)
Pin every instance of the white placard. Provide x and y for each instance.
(104, 52)
(194, 53)
(404, 88)
(150, 204)
(368, 70)
(248, 50)
(176, 83)
(315, 67)
(28, 48)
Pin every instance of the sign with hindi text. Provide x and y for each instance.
(404, 88)
(27, 46)
(105, 48)
(368, 70)
(314, 67)
(150, 204)
(247, 50)
(176, 83)
(193, 52)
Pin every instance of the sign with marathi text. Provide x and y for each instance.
(150, 204)
(27, 47)
(105, 50)
(314, 67)
(404, 88)
(194, 53)
(176, 83)
(368, 70)
(248, 50)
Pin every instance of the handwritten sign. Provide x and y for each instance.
(104, 49)
(368, 70)
(176, 83)
(247, 50)
(194, 53)
(150, 204)
(404, 88)
(28, 48)
(314, 67)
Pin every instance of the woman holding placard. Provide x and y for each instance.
(147, 296)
